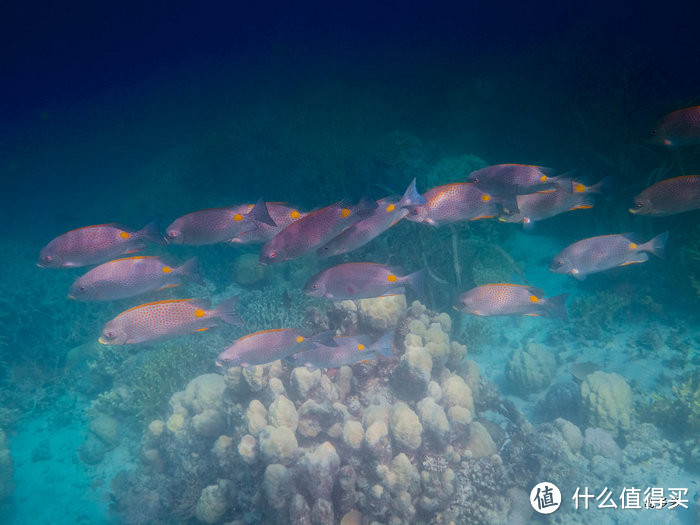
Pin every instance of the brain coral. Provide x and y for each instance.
(607, 400)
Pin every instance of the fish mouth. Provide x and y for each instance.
(632, 210)
(69, 296)
(102, 341)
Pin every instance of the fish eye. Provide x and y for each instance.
(47, 258)
(315, 286)
(81, 288)
(475, 179)
(272, 255)
(559, 262)
(110, 335)
(173, 233)
(638, 204)
(654, 132)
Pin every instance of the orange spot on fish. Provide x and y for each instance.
(124, 235)
(391, 278)
(633, 246)
(345, 212)
(485, 198)
(300, 339)
(360, 347)
(390, 208)
(294, 215)
(534, 299)
(199, 312)
(580, 188)
(167, 269)
(238, 217)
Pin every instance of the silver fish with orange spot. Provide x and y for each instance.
(269, 345)
(679, 128)
(668, 197)
(131, 276)
(347, 350)
(97, 244)
(282, 214)
(167, 319)
(457, 202)
(505, 181)
(565, 196)
(314, 230)
(361, 281)
(597, 254)
(216, 225)
(511, 299)
(389, 211)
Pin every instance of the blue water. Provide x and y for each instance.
(116, 114)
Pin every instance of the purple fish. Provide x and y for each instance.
(282, 214)
(360, 281)
(669, 197)
(680, 128)
(96, 244)
(597, 254)
(132, 276)
(455, 202)
(313, 231)
(389, 211)
(348, 350)
(167, 319)
(269, 345)
(216, 225)
(511, 299)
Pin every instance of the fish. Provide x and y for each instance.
(567, 195)
(269, 345)
(668, 197)
(506, 181)
(314, 230)
(388, 212)
(132, 276)
(216, 225)
(282, 214)
(457, 202)
(361, 280)
(96, 244)
(597, 254)
(348, 350)
(679, 128)
(167, 319)
(511, 299)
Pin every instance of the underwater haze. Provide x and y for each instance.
(349, 263)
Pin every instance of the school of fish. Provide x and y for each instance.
(513, 193)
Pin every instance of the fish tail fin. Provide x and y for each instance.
(411, 197)
(190, 269)
(260, 213)
(416, 280)
(657, 245)
(556, 306)
(382, 346)
(151, 233)
(324, 338)
(226, 311)
(603, 187)
(365, 206)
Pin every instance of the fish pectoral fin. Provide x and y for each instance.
(168, 286)
(631, 262)
(532, 315)
(202, 329)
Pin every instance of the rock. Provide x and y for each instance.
(276, 483)
(209, 423)
(455, 392)
(480, 443)
(598, 442)
(302, 382)
(256, 417)
(530, 370)
(92, 451)
(353, 434)
(106, 428)
(607, 402)
(248, 449)
(434, 420)
(412, 375)
(321, 466)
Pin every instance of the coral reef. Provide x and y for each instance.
(607, 401)
(531, 369)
